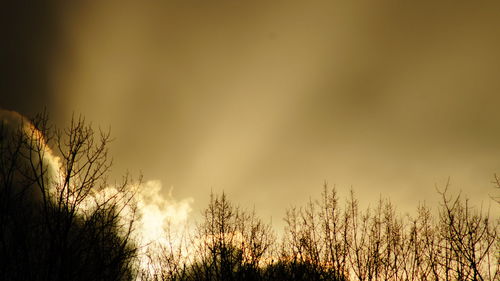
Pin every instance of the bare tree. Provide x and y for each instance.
(462, 243)
(314, 245)
(59, 223)
(228, 244)
(334, 231)
(470, 237)
(167, 259)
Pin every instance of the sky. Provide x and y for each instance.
(267, 100)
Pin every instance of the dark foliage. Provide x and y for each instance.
(52, 224)
(301, 271)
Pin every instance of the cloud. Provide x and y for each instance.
(25, 146)
(158, 213)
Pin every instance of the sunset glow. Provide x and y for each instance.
(151, 114)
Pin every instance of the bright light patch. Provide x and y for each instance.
(156, 211)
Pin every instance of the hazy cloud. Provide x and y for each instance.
(266, 99)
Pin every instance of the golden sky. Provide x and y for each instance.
(266, 100)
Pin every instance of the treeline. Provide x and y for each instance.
(60, 220)
(332, 240)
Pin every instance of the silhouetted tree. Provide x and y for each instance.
(469, 237)
(229, 243)
(322, 241)
(56, 220)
